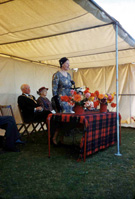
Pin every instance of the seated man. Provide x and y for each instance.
(12, 135)
(31, 111)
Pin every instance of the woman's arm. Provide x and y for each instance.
(55, 98)
(55, 83)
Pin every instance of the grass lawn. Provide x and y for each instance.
(30, 174)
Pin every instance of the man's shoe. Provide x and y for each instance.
(18, 141)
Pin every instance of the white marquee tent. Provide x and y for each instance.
(35, 34)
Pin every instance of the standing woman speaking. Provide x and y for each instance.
(61, 85)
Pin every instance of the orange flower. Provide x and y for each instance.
(96, 103)
(92, 94)
(100, 96)
(86, 91)
(77, 98)
(96, 93)
(113, 105)
(65, 98)
(91, 98)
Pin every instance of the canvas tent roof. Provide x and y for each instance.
(45, 30)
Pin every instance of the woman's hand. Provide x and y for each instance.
(72, 82)
(39, 109)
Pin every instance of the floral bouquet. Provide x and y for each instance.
(88, 100)
(105, 98)
(78, 97)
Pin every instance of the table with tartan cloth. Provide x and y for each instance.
(100, 129)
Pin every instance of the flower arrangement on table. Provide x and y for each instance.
(104, 99)
(88, 100)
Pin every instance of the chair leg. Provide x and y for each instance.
(26, 129)
(21, 126)
(34, 127)
(42, 126)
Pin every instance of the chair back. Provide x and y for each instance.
(6, 110)
(56, 105)
(21, 114)
(33, 125)
(53, 104)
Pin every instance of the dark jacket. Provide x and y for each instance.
(45, 103)
(27, 106)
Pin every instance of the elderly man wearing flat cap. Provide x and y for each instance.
(31, 111)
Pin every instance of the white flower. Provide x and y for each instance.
(89, 104)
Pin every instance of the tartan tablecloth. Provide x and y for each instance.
(101, 129)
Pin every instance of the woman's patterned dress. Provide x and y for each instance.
(61, 86)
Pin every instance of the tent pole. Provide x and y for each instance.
(117, 90)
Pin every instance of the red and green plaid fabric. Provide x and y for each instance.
(101, 129)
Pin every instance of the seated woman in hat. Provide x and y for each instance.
(43, 101)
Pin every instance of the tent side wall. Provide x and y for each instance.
(104, 80)
(14, 73)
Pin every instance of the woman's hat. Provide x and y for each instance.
(62, 61)
(41, 89)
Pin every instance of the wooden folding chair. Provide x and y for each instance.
(36, 126)
(6, 110)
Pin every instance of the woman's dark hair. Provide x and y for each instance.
(62, 61)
